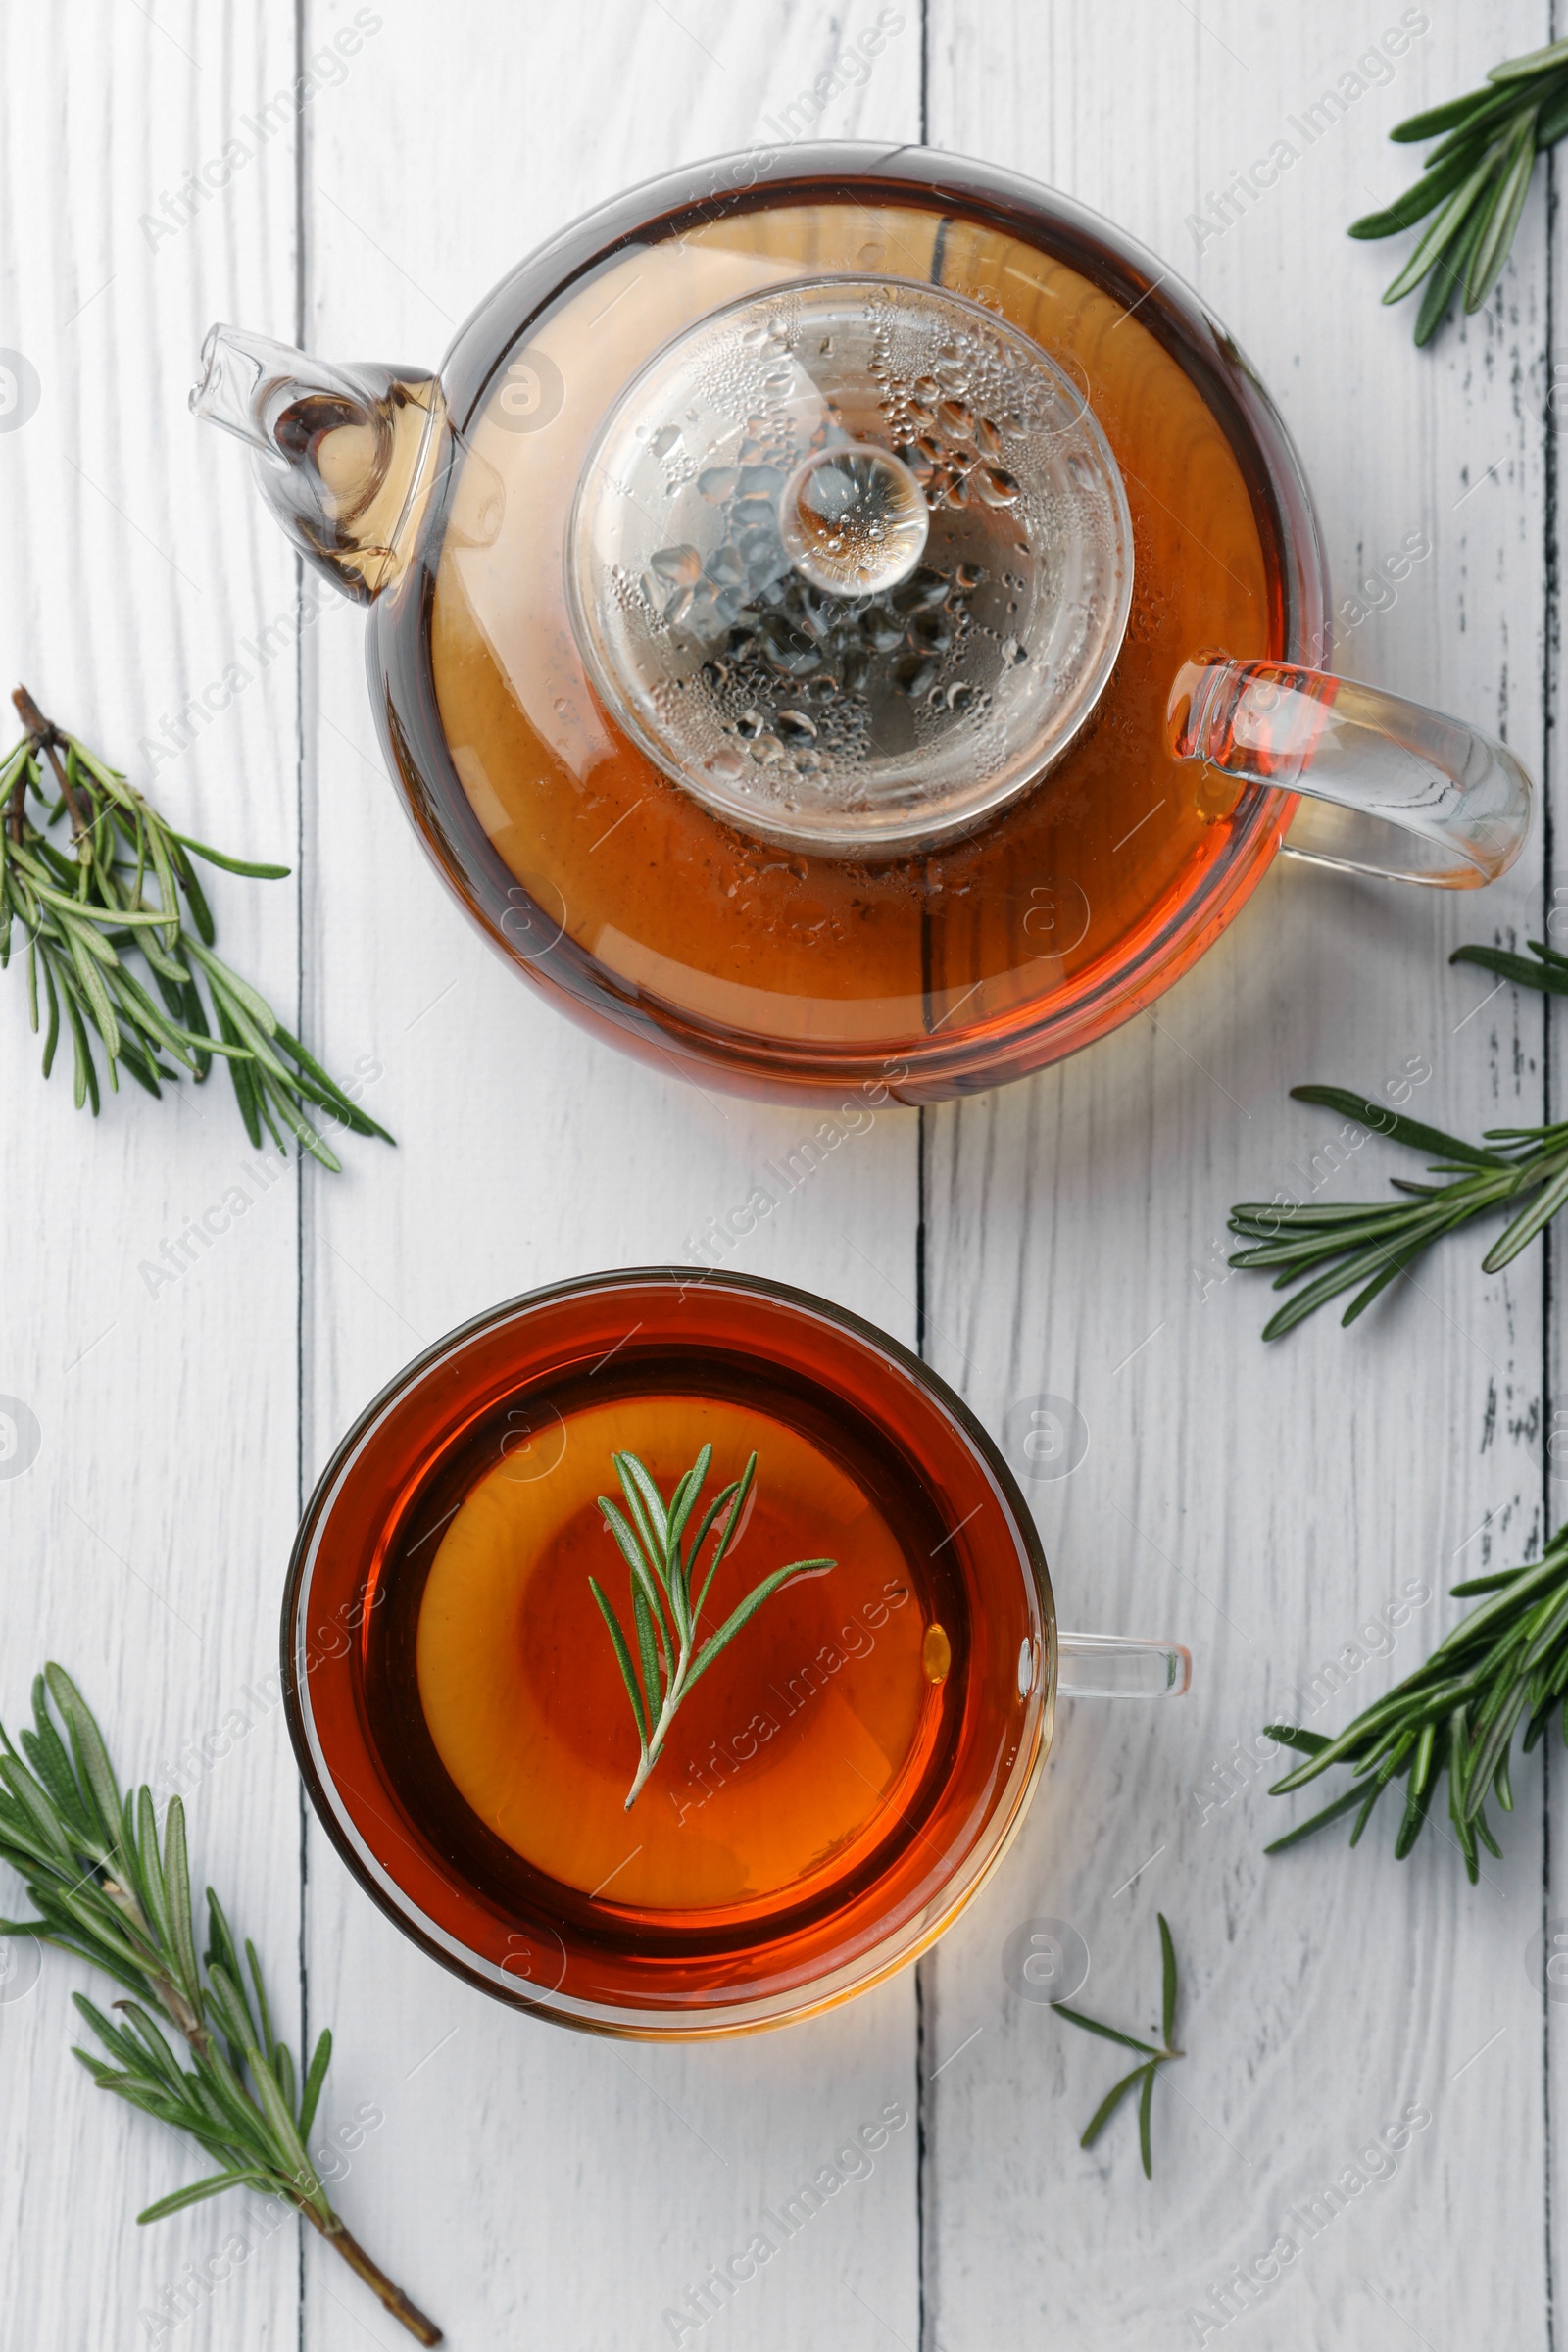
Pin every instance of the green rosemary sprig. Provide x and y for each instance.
(665, 1611)
(1473, 183)
(1549, 973)
(1507, 1662)
(1372, 1242)
(1152, 2059)
(108, 1890)
(117, 889)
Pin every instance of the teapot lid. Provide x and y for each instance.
(851, 561)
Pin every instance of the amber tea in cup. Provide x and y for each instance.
(782, 1765)
(840, 1778)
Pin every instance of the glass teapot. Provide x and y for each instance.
(851, 617)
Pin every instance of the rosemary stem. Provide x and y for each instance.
(46, 737)
(343, 2241)
(666, 1716)
(16, 805)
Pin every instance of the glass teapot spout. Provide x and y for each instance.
(344, 456)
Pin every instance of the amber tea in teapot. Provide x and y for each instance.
(851, 620)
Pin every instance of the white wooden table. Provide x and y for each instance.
(535, 2188)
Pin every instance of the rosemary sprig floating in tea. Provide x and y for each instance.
(84, 912)
(1152, 2059)
(666, 1610)
(1371, 1243)
(1475, 183)
(108, 1890)
(1457, 1714)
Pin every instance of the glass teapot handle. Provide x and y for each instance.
(1395, 789)
(1115, 1666)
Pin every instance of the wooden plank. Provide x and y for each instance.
(1543, 1937)
(1261, 1505)
(528, 1151)
(143, 1545)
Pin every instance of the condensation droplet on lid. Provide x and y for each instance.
(924, 593)
(682, 567)
(936, 1653)
(996, 487)
(664, 440)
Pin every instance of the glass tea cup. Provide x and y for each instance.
(851, 1769)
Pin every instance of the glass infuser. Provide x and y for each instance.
(851, 617)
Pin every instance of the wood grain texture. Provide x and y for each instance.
(582, 2185)
(1546, 1940)
(1261, 1505)
(142, 1547)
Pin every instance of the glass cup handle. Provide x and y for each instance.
(1393, 789)
(1115, 1666)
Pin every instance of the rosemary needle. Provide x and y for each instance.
(109, 1890)
(1370, 1243)
(666, 1611)
(1366, 1244)
(1505, 1663)
(1152, 2059)
(1475, 183)
(117, 890)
